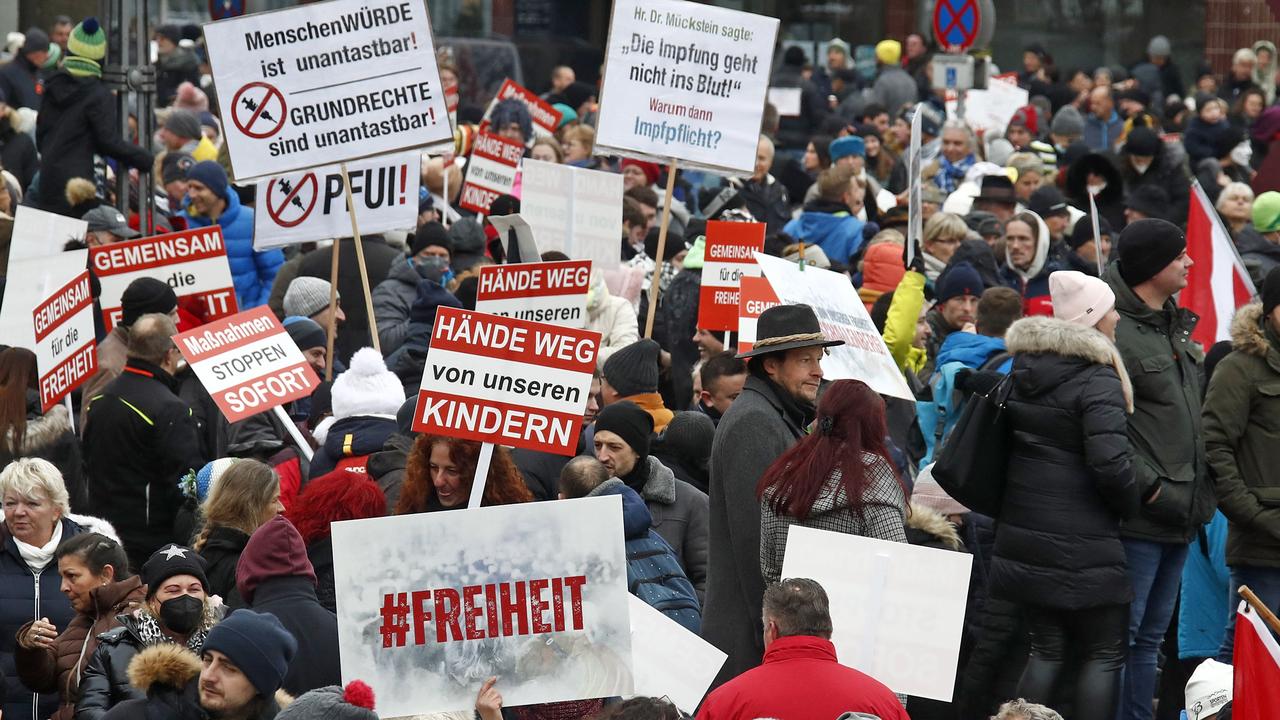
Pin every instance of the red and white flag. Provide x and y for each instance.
(1218, 282)
(1256, 692)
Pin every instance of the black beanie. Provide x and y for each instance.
(432, 233)
(1083, 231)
(306, 333)
(1271, 291)
(633, 369)
(626, 420)
(146, 295)
(172, 560)
(1146, 247)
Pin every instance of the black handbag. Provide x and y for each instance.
(972, 464)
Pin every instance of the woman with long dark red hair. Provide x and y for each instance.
(838, 478)
(332, 497)
(439, 471)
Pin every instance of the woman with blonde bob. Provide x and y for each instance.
(245, 496)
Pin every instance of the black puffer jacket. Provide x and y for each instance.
(221, 552)
(1070, 477)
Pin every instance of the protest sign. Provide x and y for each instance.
(897, 609)
(756, 295)
(842, 316)
(312, 205)
(491, 172)
(574, 210)
(729, 256)
(545, 118)
(66, 351)
(685, 81)
(297, 90)
(668, 660)
(549, 292)
(193, 262)
(37, 233)
(990, 109)
(533, 593)
(28, 284)
(526, 248)
(247, 363)
(507, 381)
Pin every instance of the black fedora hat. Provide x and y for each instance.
(997, 188)
(787, 327)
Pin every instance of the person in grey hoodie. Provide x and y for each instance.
(430, 253)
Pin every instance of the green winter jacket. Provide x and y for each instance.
(1166, 366)
(1242, 440)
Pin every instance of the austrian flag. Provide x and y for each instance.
(1218, 282)
(1256, 694)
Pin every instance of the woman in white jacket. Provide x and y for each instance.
(611, 316)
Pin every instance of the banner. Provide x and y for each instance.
(491, 171)
(506, 381)
(247, 363)
(687, 81)
(431, 605)
(897, 609)
(842, 316)
(670, 661)
(323, 83)
(37, 267)
(729, 256)
(545, 118)
(574, 210)
(548, 292)
(1218, 283)
(313, 205)
(66, 349)
(755, 297)
(193, 262)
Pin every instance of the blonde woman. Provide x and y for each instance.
(246, 496)
(942, 237)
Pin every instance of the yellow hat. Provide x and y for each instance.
(888, 52)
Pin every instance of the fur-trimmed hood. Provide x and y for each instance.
(1248, 335)
(1051, 336)
(168, 665)
(45, 431)
(933, 523)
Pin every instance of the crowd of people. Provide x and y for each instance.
(160, 560)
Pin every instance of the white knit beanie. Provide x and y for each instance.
(1209, 688)
(367, 387)
(1078, 298)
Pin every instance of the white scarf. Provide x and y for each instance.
(38, 557)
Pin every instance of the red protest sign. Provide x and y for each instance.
(247, 363)
(551, 292)
(545, 118)
(65, 351)
(757, 296)
(506, 381)
(728, 257)
(491, 171)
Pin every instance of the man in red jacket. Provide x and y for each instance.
(800, 677)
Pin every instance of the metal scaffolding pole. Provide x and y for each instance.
(129, 73)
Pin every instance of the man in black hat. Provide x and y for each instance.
(429, 256)
(631, 373)
(784, 370)
(174, 64)
(1084, 251)
(997, 197)
(1047, 202)
(20, 76)
(1146, 202)
(1145, 162)
(1154, 339)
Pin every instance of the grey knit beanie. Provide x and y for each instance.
(306, 296)
(1068, 122)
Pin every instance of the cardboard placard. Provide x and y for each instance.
(756, 295)
(686, 81)
(670, 661)
(545, 118)
(991, 109)
(534, 593)
(193, 262)
(506, 381)
(728, 257)
(66, 351)
(326, 82)
(574, 210)
(247, 363)
(38, 266)
(491, 171)
(312, 205)
(549, 292)
(842, 316)
(897, 609)
(37, 233)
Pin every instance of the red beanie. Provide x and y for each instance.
(651, 170)
(275, 550)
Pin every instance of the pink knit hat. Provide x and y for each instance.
(1079, 298)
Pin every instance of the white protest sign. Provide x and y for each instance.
(991, 109)
(247, 363)
(786, 100)
(754, 297)
(66, 349)
(574, 210)
(687, 81)
(729, 256)
(506, 381)
(326, 82)
(842, 316)
(490, 172)
(549, 292)
(193, 262)
(313, 206)
(37, 233)
(28, 284)
(534, 593)
(525, 244)
(668, 660)
(545, 118)
(897, 609)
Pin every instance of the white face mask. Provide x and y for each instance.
(1140, 168)
(1242, 154)
(1096, 189)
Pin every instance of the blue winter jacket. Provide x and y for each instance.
(839, 234)
(1206, 585)
(252, 272)
(972, 350)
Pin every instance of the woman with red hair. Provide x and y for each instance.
(439, 471)
(332, 497)
(838, 478)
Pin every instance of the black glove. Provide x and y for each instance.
(917, 262)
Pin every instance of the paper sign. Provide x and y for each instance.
(326, 82)
(313, 205)
(842, 316)
(511, 382)
(549, 292)
(491, 171)
(993, 108)
(193, 262)
(431, 605)
(574, 210)
(729, 256)
(545, 118)
(37, 233)
(685, 80)
(786, 100)
(66, 353)
(670, 661)
(897, 609)
(29, 283)
(247, 363)
(527, 246)
(756, 295)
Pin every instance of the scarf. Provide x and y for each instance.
(800, 412)
(81, 67)
(38, 557)
(950, 174)
(149, 631)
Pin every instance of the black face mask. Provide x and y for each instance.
(182, 614)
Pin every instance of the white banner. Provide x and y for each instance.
(550, 292)
(574, 210)
(27, 285)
